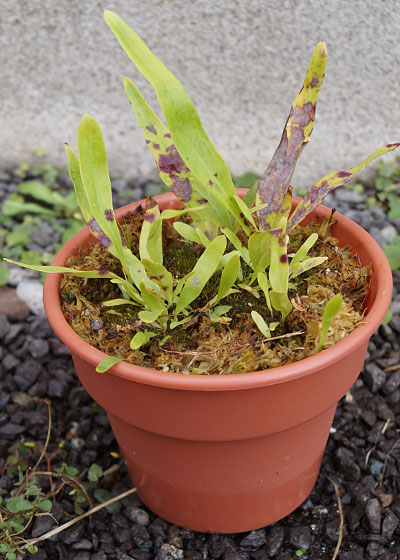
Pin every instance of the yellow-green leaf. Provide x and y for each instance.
(331, 309)
(108, 363)
(141, 338)
(273, 185)
(324, 186)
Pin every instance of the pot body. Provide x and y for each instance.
(226, 453)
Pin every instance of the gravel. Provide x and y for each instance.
(362, 455)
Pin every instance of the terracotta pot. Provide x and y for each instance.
(226, 453)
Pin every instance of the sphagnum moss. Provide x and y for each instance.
(205, 347)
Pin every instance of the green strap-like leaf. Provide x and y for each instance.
(158, 274)
(234, 239)
(303, 266)
(263, 283)
(188, 134)
(201, 273)
(172, 169)
(150, 241)
(303, 250)
(332, 308)
(97, 185)
(274, 183)
(259, 246)
(141, 338)
(324, 186)
(108, 363)
(262, 325)
(118, 301)
(154, 304)
(65, 270)
(180, 113)
(280, 302)
(228, 277)
(75, 174)
(187, 232)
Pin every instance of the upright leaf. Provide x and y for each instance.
(274, 183)
(331, 309)
(75, 174)
(303, 250)
(228, 277)
(97, 186)
(172, 169)
(150, 246)
(188, 134)
(201, 273)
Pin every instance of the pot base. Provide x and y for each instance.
(224, 487)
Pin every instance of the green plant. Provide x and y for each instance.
(189, 164)
(27, 499)
(331, 309)
(393, 253)
(22, 213)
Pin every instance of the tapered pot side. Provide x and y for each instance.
(226, 453)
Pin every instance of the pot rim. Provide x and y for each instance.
(179, 381)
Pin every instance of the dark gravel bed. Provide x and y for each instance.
(362, 455)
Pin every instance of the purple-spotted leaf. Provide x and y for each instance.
(151, 233)
(158, 274)
(173, 171)
(153, 302)
(274, 183)
(328, 183)
(189, 137)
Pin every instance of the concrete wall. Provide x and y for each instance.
(242, 62)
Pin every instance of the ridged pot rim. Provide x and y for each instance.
(179, 381)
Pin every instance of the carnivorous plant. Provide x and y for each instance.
(255, 230)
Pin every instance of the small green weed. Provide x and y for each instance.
(27, 499)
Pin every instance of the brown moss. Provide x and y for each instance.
(205, 347)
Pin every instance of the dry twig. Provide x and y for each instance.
(396, 443)
(392, 368)
(339, 542)
(79, 518)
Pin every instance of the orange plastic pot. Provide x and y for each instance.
(226, 453)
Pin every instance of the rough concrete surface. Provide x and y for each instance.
(242, 62)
